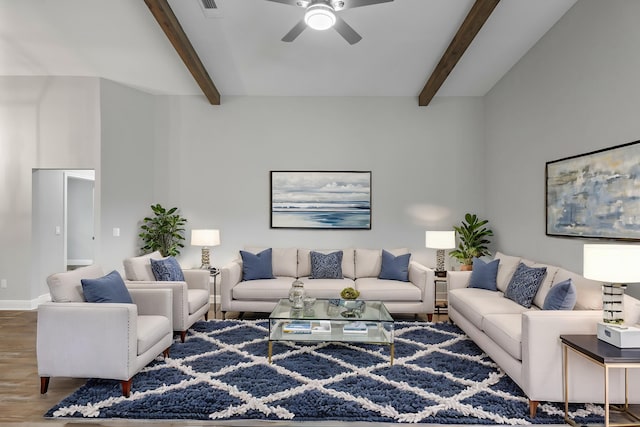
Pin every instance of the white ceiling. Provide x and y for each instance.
(402, 42)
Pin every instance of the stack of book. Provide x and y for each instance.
(306, 327)
(355, 328)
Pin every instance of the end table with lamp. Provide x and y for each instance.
(207, 238)
(440, 240)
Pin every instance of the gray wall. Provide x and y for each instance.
(54, 123)
(426, 166)
(576, 91)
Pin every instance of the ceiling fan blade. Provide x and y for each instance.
(346, 31)
(295, 31)
(289, 2)
(350, 4)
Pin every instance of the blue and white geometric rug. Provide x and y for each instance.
(221, 372)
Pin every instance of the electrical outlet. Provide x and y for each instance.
(3, 283)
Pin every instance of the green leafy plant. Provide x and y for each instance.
(163, 232)
(349, 293)
(473, 239)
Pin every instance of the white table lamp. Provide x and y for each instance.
(205, 238)
(615, 265)
(440, 240)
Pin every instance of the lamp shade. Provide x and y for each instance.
(440, 239)
(612, 263)
(205, 237)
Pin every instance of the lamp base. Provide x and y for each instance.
(620, 336)
(205, 259)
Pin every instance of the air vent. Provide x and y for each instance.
(210, 9)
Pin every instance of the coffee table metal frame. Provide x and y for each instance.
(380, 324)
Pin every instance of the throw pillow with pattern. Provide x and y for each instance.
(326, 266)
(167, 269)
(524, 284)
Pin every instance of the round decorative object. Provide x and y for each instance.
(349, 293)
(297, 294)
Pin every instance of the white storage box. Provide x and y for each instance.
(620, 336)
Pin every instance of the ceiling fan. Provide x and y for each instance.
(321, 15)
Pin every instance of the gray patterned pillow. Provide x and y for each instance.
(524, 284)
(326, 266)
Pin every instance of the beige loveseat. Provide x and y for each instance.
(360, 269)
(525, 342)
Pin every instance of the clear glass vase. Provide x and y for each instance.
(297, 294)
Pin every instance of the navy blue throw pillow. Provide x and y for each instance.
(484, 274)
(256, 266)
(167, 270)
(326, 266)
(524, 284)
(109, 288)
(561, 296)
(394, 267)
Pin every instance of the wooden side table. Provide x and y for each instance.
(607, 356)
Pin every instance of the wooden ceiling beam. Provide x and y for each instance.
(161, 10)
(477, 16)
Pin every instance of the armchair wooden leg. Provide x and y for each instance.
(206, 316)
(533, 408)
(126, 387)
(183, 335)
(44, 384)
(224, 315)
(429, 317)
(165, 353)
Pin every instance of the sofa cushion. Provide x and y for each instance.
(374, 289)
(326, 266)
(394, 267)
(369, 261)
(474, 304)
(167, 269)
(507, 267)
(107, 289)
(139, 268)
(262, 289)
(524, 284)
(506, 331)
(484, 274)
(589, 291)
(257, 266)
(66, 286)
(150, 329)
(284, 261)
(196, 299)
(562, 296)
(348, 262)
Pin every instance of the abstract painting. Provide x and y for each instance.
(321, 199)
(596, 194)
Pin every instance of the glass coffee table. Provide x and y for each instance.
(332, 320)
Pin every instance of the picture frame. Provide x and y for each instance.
(336, 200)
(595, 195)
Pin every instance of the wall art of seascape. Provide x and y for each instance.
(321, 199)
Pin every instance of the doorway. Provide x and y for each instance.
(63, 221)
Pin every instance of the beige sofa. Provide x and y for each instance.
(525, 342)
(360, 268)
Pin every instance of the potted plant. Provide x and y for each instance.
(473, 240)
(163, 232)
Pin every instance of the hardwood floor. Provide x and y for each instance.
(21, 403)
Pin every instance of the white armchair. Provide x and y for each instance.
(79, 339)
(190, 298)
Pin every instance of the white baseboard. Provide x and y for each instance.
(24, 304)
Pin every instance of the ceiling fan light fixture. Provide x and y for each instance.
(319, 17)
